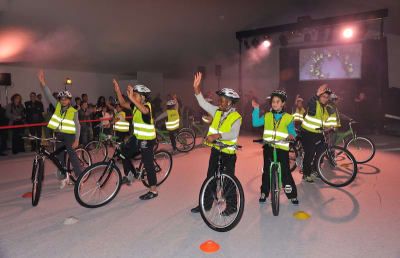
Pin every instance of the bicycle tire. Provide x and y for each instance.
(275, 192)
(157, 167)
(178, 139)
(368, 141)
(89, 173)
(98, 151)
(325, 175)
(292, 162)
(190, 130)
(206, 210)
(37, 179)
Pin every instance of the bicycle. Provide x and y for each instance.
(184, 138)
(221, 197)
(100, 183)
(98, 149)
(336, 166)
(362, 148)
(197, 128)
(275, 175)
(65, 168)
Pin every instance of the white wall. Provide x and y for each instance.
(25, 81)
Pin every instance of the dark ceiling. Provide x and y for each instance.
(121, 36)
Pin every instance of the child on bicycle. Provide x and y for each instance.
(172, 122)
(143, 138)
(119, 124)
(225, 127)
(298, 115)
(317, 114)
(278, 125)
(65, 123)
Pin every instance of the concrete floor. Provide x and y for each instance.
(360, 220)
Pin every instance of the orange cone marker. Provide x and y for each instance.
(209, 246)
(27, 195)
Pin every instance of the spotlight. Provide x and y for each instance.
(266, 43)
(68, 81)
(255, 42)
(348, 33)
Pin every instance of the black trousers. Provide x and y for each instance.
(287, 179)
(67, 140)
(120, 135)
(228, 162)
(172, 135)
(3, 140)
(312, 145)
(131, 148)
(35, 131)
(84, 136)
(18, 144)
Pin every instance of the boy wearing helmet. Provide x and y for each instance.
(65, 123)
(225, 127)
(317, 115)
(172, 122)
(278, 125)
(143, 138)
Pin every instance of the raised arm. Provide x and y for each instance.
(121, 99)
(46, 90)
(211, 109)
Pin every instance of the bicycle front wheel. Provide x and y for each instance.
(275, 193)
(221, 202)
(337, 166)
(98, 185)
(162, 167)
(362, 148)
(98, 151)
(37, 178)
(185, 141)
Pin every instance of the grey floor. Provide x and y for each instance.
(360, 220)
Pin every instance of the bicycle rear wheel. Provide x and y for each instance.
(185, 141)
(97, 150)
(337, 166)
(221, 202)
(293, 154)
(37, 178)
(98, 185)
(362, 148)
(275, 193)
(162, 166)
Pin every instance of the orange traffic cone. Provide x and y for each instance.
(209, 246)
(27, 195)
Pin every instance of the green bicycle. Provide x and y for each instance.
(98, 149)
(185, 139)
(362, 148)
(275, 176)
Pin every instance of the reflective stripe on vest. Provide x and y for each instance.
(121, 125)
(141, 130)
(63, 123)
(279, 133)
(173, 120)
(311, 123)
(299, 115)
(225, 127)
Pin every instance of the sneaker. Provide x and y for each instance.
(149, 195)
(308, 179)
(63, 183)
(195, 209)
(294, 201)
(263, 198)
(229, 211)
(128, 179)
(60, 175)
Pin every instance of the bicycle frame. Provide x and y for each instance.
(164, 135)
(275, 162)
(341, 136)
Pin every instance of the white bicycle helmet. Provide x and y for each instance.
(171, 102)
(141, 89)
(299, 99)
(229, 93)
(64, 94)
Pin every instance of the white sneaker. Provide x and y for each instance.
(63, 183)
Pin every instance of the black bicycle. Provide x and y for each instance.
(65, 167)
(221, 197)
(100, 183)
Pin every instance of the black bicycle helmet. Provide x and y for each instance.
(280, 94)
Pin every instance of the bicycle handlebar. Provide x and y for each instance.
(223, 145)
(31, 137)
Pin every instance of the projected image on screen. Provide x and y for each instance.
(336, 62)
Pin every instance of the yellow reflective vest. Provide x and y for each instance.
(173, 120)
(277, 130)
(63, 122)
(141, 130)
(121, 125)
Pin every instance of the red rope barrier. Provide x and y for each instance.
(43, 124)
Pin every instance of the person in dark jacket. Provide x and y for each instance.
(16, 113)
(3, 133)
(34, 114)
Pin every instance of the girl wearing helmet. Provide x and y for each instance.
(143, 138)
(225, 127)
(65, 122)
(172, 122)
(277, 125)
